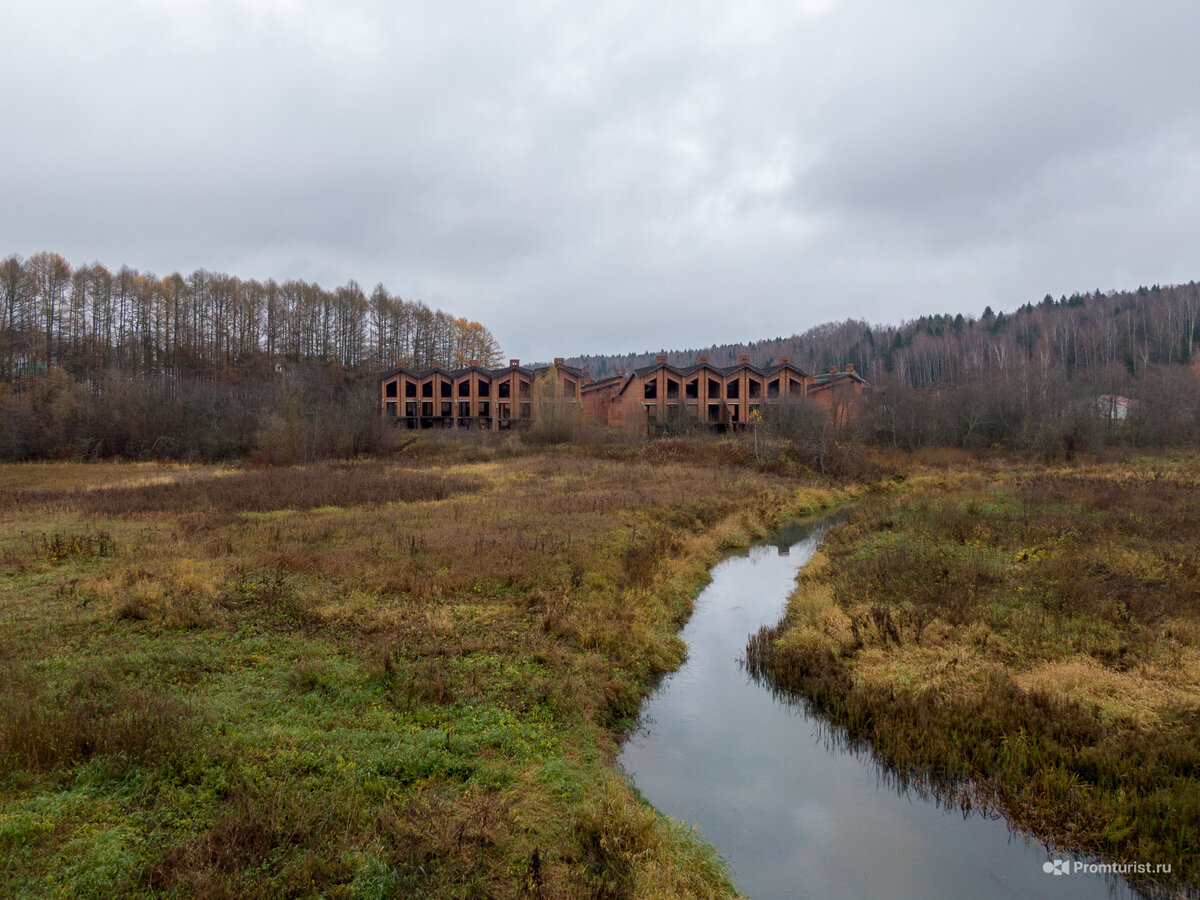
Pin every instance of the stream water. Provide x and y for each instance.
(793, 813)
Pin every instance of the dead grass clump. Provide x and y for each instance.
(271, 489)
(644, 551)
(444, 843)
(427, 679)
(94, 716)
(267, 838)
(626, 849)
(184, 596)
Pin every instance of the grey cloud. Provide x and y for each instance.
(592, 177)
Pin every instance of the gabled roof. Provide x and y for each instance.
(531, 372)
(830, 377)
(610, 381)
(722, 371)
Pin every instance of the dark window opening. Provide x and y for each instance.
(427, 410)
(410, 409)
(732, 389)
(523, 389)
(691, 390)
(485, 408)
(505, 389)
(650, 389)
(464, 388)
(392, 389)
(485, 388)
(391, 408)
(410, 389)
(445, 387)
(794, 386)
(505, 410)
(755, 388)
(672, 389)
(427, 389)
(447, 407)
(714, 388)
(714, 412)
(526, 411)
(464, 410)
(773, 387)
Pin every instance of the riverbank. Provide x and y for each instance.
(1023, 638)
(378, 678)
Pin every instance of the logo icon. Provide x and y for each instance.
(1057, 867)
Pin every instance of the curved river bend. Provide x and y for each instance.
(794, 815)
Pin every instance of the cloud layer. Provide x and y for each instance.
(604, 177)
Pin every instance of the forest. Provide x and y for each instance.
(1052, 378)
(92, 361)
(1129, 329)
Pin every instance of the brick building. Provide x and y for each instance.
(472, 396)
(650, 399)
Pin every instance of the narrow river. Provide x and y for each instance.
(794, 815)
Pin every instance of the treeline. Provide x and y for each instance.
(1130, 329)
(101, 363)
(88, 320)
(1050, 378)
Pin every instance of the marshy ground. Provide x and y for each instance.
(409, 677)
(1022, 637)
(369, 679)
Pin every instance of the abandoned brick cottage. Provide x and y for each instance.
(641, 401)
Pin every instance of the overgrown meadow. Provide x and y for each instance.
(364, 679)
(1022, 638)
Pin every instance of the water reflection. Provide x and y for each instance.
(796, 811)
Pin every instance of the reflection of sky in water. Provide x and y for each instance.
(794, 817)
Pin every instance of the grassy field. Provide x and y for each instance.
(1022, 638)
(368, 679)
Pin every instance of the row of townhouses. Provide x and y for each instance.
(642, 400)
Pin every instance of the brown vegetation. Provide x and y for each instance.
(1026, 639)
(371, 679)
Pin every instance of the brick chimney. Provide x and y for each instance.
(743, 359)
(702, 360)
(785, 360)
(660, 360)
(849, 367)
(621, 371)
(514, 363)
(833, 370)
(559, 360)
(473, 362)
(436, 365)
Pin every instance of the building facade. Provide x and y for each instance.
(473, 397)
(649, 400)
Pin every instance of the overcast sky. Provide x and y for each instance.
(608, 176)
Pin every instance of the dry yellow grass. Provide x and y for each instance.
(1033, 631)
(416, 685)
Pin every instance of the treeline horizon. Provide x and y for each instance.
(1050, 378)
(97, 363)
(1149, 325)
(89, 320)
